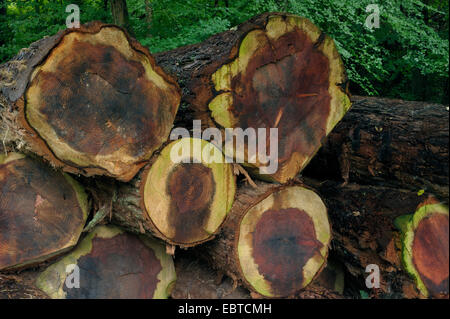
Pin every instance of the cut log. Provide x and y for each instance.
(42, 212)
(425, 247)
(273, 71)
(182, 197)
(390, 143)
(365, 232)
(98, 77)
(275, 240)
(111, 264)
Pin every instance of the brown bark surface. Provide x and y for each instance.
(197, 280)
(119, 11)
(388, 142)
(19, 287)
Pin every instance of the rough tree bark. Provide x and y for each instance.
(273, 71)
(119, 11)
(365, 231)
(274, 241)
(184, 204)
(197, 280)
(390, 143)
(112, 264)
(16, 287)
(42, 212)
(102, 80)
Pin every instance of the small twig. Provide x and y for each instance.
(280, 114)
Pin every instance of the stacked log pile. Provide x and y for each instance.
(89, 182)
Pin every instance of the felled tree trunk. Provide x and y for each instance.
(111, 264)
(273, 71)
(42, 212)
(391, 143)
(119, 11)
(365, 232)
(183, 203)
(275, 240)
(90, 100)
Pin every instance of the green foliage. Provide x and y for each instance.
(31, 20)
(406, 57)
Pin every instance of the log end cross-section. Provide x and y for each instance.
(425, 251)
(283, 241)
(111, 263)
(42, 212)
(97, 104)
(286, 74)
(188, 191)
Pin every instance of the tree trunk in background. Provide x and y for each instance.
(148, 16)
(119, 11)
(390, 143)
